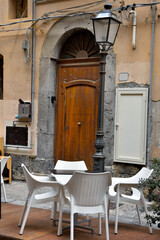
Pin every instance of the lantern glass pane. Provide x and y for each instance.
(114, 25)
(101, 29)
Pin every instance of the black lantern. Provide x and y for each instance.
(106, 26)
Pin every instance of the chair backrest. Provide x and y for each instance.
(144, 173)
(3, 163)
(89, 189)
(70, 165)
(30, 181)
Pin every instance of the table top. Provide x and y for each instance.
(65, 171)
(62, 176)
(69, 171)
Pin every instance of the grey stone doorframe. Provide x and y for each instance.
(47, 88)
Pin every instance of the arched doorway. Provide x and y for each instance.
(77, 98)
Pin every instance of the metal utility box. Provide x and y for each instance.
(24, 110)
(17, 136)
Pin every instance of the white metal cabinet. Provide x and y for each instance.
(131, 125)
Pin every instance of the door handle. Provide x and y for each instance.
(79, 124)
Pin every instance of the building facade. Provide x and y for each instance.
(49, 84)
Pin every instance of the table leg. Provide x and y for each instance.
(76, 224)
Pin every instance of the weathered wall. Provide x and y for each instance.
(109, 107)
(155, 140)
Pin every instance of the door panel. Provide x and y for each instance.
(76, 110)
(131, 125)
(79, 121)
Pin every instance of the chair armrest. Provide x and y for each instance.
(45, 180)
(125, 185)
(121, 184)
(134, 187)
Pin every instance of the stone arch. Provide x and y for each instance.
(47, 81)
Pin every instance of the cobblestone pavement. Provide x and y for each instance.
(17, 193)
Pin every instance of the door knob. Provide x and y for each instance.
(79, 123)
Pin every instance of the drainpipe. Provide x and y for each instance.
(134, 28)
(150, 89)
(33, 69)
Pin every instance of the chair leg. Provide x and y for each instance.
(72, 223)
(146, 211)
(139, 217)
(100, 225)
(89, 222)
(59, 232)
(106, 217)
(53, 213)
(108, 207)
(23, 213)
(117, 206)
(26, 214)
(4, 191)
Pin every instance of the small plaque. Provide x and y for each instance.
(124, 76)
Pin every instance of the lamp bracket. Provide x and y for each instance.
(104, 47)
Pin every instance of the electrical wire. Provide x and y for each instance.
(124, 10)
(12, 30)
(44, 16)
(134, 5)
(80, 6)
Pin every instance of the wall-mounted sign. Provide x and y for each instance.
(124, 76)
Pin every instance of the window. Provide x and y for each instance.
(18, 9)
(1, 77)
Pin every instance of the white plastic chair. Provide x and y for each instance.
(3, 163)
(66, 165)
(136, 196)
(35, 183)
(87, 195)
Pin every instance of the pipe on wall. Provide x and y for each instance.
(150, 88)
(134, 28)
(33, 69)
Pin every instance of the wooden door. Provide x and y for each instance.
(76, 109)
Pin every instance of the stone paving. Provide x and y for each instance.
(17, 193)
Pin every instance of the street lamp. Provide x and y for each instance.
(106, 26)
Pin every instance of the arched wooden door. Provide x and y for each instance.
(76, 109)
